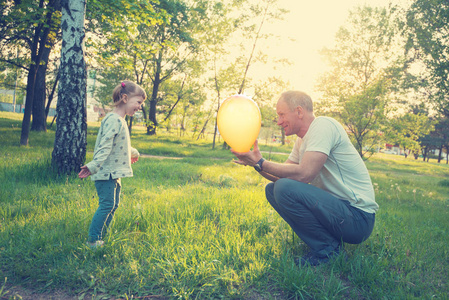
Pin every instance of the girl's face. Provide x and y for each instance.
(133, 104)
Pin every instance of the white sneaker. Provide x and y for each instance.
(96, 244)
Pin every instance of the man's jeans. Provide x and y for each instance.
(321, 220)
(109, 199)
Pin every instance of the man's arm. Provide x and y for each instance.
(268, 176)
(272, 177)
(306, 171)
(309, 167)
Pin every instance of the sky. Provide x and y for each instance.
(313, 25)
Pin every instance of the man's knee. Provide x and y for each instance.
(269, 192)
(286, 187)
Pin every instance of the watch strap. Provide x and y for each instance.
(258, 165)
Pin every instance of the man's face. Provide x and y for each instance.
(287, 119)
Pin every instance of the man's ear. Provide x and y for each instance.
(300, 111)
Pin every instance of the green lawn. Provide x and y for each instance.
(199, 227)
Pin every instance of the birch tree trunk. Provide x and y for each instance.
(69, 151)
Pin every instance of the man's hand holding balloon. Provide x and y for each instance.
(248, 158)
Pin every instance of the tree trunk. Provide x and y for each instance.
(39, 117)
(440, 154)
(183, 120)
(69, 151)
(130, 125)
(39, 111)
(424, 154)
(216, 122)
(39, 120)
(28, 106)
(38, 50)
(50, 97)
(203, 130)
(152, 120)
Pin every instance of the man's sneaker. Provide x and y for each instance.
(96, 244)
(310, 259)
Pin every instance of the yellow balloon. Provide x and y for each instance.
(238, 121)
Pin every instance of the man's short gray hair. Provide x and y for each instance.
(297, 98)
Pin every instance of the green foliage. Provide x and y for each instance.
(164, 48)
(199, 227)
(427, 30)
(27, 27)
(357, 88)
(406, 131)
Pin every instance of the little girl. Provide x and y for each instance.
(113, 156)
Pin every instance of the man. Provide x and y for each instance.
(323, 191)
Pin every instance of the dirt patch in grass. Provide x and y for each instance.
(21, 293)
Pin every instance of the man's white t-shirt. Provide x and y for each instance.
(344, 174)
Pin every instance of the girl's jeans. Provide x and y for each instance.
(109, 199)
(321, 220)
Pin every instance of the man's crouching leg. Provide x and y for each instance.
(321, 220)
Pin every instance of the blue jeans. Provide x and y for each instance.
(321, 220)
(108, 202)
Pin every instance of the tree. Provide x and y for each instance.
(69, 151)
(441, 129)
(408, 129)
(267, 11)
(30, 25)
(220, 28)
(439, 138)
(223, 80)
(356, 89)
(119, 44)
(427, 29)
(172, 44)
(181, 95)
(249, 24)
(154, 46)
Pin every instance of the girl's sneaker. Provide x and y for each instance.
(96, 244)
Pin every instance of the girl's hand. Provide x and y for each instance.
(134, 159)
(84, 172)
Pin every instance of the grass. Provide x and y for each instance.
(199, 227)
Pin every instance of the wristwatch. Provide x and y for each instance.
(258, 165)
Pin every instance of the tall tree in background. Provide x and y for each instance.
(356, 89)
(225, 77)
(428, 40)
(30, 25)
(406, 131)
(173, 43)
(69, 150)
(249, 24)
(185, 90)
(265, 11)
(441, 129)
(152, 49)
(438, 139)
(119, 44)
